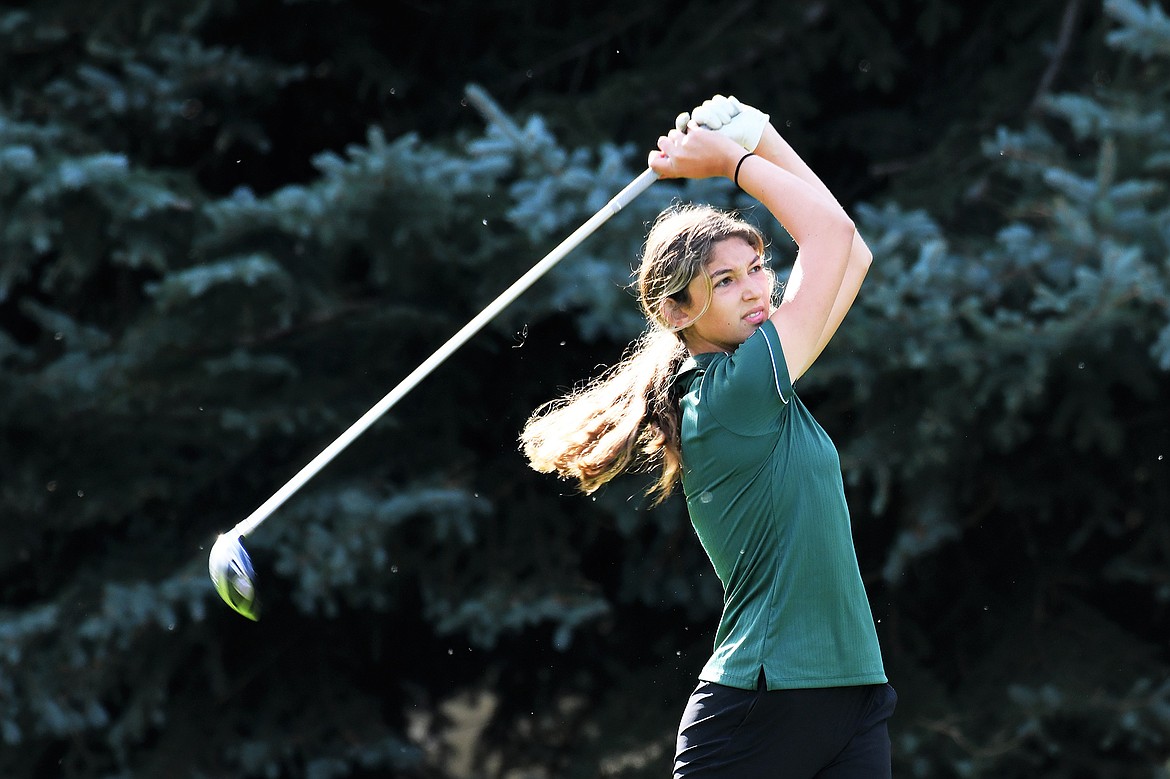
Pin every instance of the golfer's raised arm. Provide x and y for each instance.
(824, 234)
(774, 148)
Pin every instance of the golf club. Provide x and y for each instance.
(229, 564)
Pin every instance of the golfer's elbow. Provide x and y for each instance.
(841, 232)
(860, 256)
(834, 235)
(840, 221)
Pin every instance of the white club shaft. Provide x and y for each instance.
(620, 201)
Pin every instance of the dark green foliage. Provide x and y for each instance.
(227, 229)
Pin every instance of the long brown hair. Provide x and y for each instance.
(627, 419)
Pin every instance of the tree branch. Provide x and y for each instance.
(1072, 12)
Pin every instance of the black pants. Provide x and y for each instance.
(830, 733)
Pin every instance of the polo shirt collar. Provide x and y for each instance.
(694, 363)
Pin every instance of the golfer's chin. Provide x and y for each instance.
(751, 326)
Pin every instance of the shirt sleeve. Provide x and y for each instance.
(748, 390)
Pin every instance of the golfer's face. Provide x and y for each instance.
(741, 298)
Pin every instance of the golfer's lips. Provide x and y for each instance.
(756, 316)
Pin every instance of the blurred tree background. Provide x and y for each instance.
(227, 229)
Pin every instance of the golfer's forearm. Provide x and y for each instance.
(775, 149)
(778, 151)
(809, 217)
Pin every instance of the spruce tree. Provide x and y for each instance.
(1003, 410)
(222, 240)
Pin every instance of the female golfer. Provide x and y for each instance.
(795, 687)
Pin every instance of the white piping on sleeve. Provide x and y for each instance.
(776, 370)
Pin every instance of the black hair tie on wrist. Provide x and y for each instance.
(739, 165)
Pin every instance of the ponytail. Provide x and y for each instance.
(627, 419)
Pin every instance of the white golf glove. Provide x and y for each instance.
(726, 115)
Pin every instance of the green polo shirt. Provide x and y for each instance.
(765, 494)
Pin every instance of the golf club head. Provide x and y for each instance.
(233, 576)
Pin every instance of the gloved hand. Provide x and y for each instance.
(742, 123)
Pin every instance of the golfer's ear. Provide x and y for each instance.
(673, 314)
